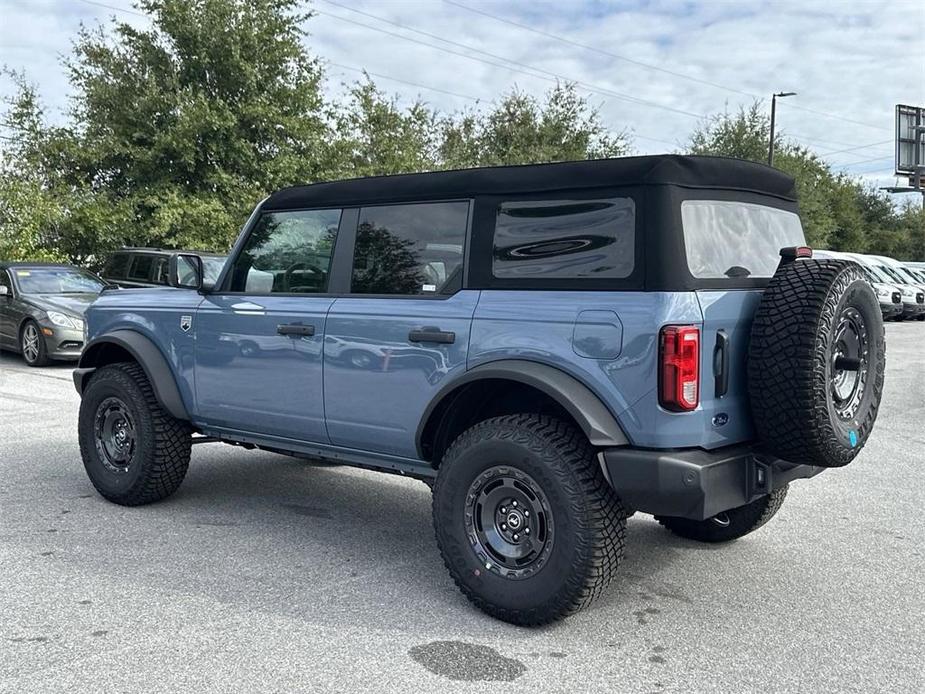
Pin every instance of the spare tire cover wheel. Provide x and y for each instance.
(816, 362)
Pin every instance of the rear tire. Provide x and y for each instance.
(730, 525)
(527, 525)
(133, 450)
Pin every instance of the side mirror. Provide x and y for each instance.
(185, 271)
(5, 292)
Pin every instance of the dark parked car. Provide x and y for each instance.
(147, 267)
(42, 308)
(552, 347)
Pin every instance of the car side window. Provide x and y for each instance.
(565, 239)
(287, 253)
(409, 249)
(141, 268)
(117, 266)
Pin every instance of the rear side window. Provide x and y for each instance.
(727, 239)
(410, 249)
(141, 268)
(559, 239)
(287, 253)
(117, 266)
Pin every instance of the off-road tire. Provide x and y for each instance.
(731, 525)
(587, 516)
(791, 362)
(163, 443)
(41, 359)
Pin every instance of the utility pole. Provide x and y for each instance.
(773, 114)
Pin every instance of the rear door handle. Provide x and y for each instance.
(296, 330)
(432, 335)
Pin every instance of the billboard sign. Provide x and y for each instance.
(910, 139)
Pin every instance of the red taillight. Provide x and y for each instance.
(679, 374)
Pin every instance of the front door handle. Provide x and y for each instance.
(296, 330)
(442, 337)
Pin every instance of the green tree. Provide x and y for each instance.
(29, 213)
(521, 130)
(743, 135)
(179, 129)
(375, 136)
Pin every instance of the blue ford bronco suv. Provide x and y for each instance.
(551, 347)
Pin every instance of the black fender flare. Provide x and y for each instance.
(585, 407)
(148, 356)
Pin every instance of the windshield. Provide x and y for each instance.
(878, 274)
(57, 280)
(906, 274)
(736, 239)
(892, 274)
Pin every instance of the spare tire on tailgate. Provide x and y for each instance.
(816, 361)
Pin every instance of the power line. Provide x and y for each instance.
(524, 68)
(648, 66)
(402, 81)
(863, 161)
(853, 149)
(112, 7)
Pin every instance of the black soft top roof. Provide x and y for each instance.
(664, 169)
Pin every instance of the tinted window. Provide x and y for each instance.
(141, 268)
(565, 239)
(409, 249)
(287, 252)
(117, 266)
(736, 239)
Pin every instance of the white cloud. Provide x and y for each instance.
(854, 59)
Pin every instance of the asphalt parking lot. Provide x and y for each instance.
(266, 573)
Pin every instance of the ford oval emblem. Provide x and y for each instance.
(720, 419)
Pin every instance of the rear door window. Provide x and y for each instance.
(117, 266)
(141, 268)
(410, 249)
(728, 239)
(557, 239)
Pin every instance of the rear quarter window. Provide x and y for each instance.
(564, 239)
(736, 240)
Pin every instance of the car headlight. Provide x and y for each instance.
(883, 292)
(61, 320)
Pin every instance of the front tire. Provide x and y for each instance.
(730, 525)
(527, 525)
(32, 345)
(134, 452)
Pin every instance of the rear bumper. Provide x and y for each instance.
(694, 483)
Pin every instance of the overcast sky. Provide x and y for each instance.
(645, 63)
